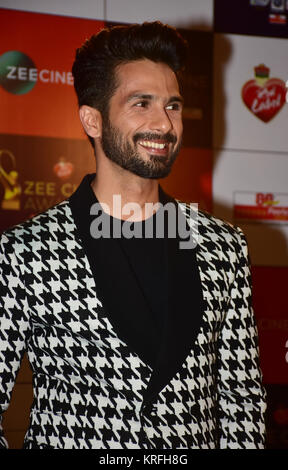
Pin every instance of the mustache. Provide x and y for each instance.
(167, 138)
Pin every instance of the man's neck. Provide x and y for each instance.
(127, 195)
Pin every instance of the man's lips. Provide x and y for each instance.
(153, 146)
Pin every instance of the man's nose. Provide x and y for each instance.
(160, 120)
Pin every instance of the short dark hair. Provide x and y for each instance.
(96, 60)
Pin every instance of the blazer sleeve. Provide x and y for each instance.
(241, 394)
(14, 324)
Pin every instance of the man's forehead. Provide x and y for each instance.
(145, 77)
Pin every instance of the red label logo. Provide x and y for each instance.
(264, 96)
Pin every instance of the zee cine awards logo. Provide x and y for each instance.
(9, 181)
(33, 196)
(19, 74)
(264, 96)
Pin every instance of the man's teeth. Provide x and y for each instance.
(154, 145)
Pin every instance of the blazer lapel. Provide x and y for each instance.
(185, 313)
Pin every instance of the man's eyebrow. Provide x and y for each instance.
(142, 96)
(146, 96)
(177, 99)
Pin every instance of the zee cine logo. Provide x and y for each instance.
(19, 74)
(33, 74)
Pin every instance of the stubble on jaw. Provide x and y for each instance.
(127, 157)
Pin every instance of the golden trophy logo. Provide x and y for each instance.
(9, 181)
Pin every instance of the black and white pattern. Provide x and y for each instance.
(89, 385)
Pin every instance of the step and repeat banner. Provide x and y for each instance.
(44, 152)
(250, 175)
(234, 160)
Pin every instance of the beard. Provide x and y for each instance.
(125, 154)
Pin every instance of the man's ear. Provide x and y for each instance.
(91, 121)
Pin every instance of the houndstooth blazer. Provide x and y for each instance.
(92, 390)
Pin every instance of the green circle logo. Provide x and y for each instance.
(18, 73)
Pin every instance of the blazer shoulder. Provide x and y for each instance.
(217, 224)
(41, 227)
(213, 233)
(221, 236)
(208, 220)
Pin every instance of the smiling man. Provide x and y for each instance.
(143, 131)
(135, 342)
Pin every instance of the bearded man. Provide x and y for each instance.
(139, 337)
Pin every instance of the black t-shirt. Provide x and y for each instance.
(147, 258)
(111, 259)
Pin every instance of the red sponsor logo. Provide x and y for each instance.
(264, 96)
(63, 169)
(277, 19)
(261, 207)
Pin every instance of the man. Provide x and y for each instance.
(134, 342)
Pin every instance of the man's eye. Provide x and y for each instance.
(142, 104)
(174, 107)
